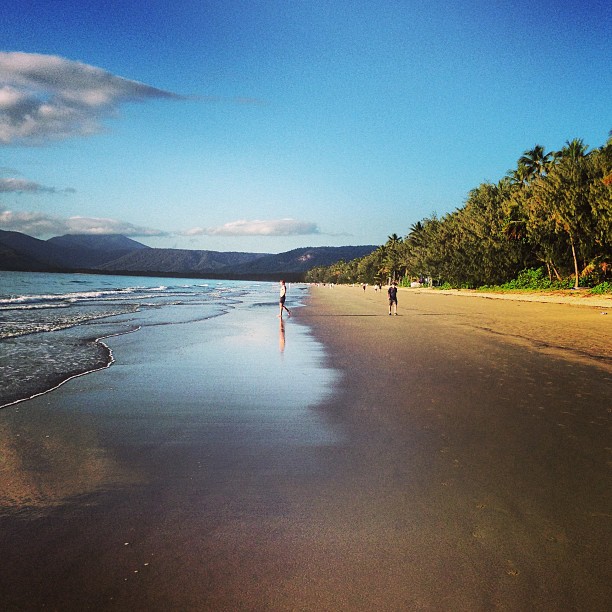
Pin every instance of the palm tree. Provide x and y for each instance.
(415, 234)
(520, 176)
(393, 260)
(573, 149)
(535, 162)
(565, 197)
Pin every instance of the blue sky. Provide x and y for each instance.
(270, 125)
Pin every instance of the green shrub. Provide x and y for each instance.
(532, 278)
(604, 287)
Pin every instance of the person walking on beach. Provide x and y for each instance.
(283, 294)
(392, 293)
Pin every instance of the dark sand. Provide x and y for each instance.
(461, 463)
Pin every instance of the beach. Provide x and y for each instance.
(454, 457)
(484, 443)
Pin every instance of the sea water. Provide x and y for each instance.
(53, 326)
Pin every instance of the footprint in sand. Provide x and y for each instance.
(556, 538)
(478, 535)
(511, 571)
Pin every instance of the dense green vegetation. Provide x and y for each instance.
(546, 224)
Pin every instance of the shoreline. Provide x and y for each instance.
(110, 360)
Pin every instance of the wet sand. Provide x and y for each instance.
(461, 461)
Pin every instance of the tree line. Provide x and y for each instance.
(549, 219)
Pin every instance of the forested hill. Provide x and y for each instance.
(115, 254)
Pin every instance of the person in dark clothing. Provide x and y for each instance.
(392, 293)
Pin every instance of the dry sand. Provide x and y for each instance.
(461, 463)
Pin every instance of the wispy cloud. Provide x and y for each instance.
(18, 185)
(42, 225)
(275, 227)
(46, 97)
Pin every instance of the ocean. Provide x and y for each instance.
(54, 327)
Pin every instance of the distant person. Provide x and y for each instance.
(392, 293)
(283, 295)
(364, 286)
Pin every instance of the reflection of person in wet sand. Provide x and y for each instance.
(283, 295)
(281, 336)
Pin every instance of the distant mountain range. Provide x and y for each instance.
(116, 254)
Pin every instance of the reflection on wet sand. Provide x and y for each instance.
(44, 470)
(282, 336)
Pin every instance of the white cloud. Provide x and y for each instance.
(46, 97)
(41, 224)
(18, 185)
(277, 227)
(96, 225)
